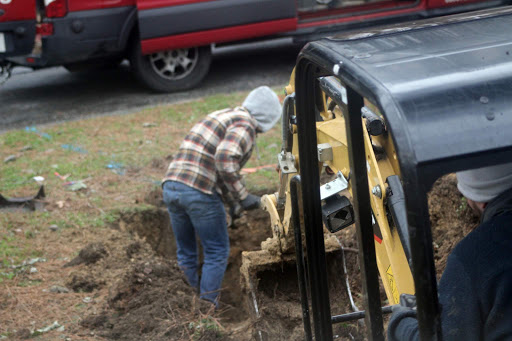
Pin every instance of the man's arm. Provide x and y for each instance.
(460, 312)
(230, 153)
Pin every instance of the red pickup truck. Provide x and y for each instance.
(168, 42)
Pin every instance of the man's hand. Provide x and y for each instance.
(235, 210)
(251, 202)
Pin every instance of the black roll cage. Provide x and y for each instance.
(423, 113)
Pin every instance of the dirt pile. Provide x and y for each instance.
(450, 217)
(151, 225)
(89, 255)
(278, 299)
(149, 298)
(83, 283)
(151, 302)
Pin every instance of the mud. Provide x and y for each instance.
(152, 302)
(152, 226)
(279, 303)
(149, 299)
(23, 334)
(82, 283)
(450, 217)
(89, 255)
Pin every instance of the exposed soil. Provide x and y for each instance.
(134, 290)
(152, 300)
(451, 219)
(89, 255)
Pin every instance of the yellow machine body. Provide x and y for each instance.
(392, 263)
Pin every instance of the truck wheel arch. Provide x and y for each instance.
(128, 30)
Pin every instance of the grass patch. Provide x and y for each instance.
(120, 159)
(207, 326)
(29, 283)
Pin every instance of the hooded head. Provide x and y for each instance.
(484, 184)
(264, 106)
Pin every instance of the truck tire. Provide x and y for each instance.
(172, 70)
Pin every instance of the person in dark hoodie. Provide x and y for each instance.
(205, 170)
(475, 291)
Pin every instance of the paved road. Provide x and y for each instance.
(51, 95)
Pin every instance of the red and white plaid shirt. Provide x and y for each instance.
(212, 154)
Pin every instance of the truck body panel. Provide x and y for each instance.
(43, 33)
(17, 27)
(220, 20)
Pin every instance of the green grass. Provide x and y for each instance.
(12, 253)
(204, 325)
(29, 283)
(104, 140)
(21, 138)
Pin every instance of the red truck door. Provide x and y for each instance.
(175, 35)
(172, 24)
(17, 27)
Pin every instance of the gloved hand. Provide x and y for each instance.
(235, 210)
(251, 202)
(408, 301)
(402, 324)
(403, 311)
(407, 306)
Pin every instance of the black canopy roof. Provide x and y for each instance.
(444, 86)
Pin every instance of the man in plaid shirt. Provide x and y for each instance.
(207, 168)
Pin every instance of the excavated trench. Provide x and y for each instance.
(149, 298)
(273, 308)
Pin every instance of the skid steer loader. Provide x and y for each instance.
(383, 114)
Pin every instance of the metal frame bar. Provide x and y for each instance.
(361, 204)
(357, 315)
(422, 256)
(305, 80)
(299, 254)
(363, 215)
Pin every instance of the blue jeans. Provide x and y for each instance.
(194, 212)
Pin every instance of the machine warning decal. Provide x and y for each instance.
(377, 235)
(392, 284)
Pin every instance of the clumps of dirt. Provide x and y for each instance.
(101, 274)
(151, 225)
(159, 163)
(154, 197)
(89, 255)
(451, 218)
(83, 283)
(151, 302)
(23, 334)
(133, 249)
(279, 302)
(246, 234)
(148, 297)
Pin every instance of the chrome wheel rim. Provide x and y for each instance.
(174, 64)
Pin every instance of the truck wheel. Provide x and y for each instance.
(172, 70)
